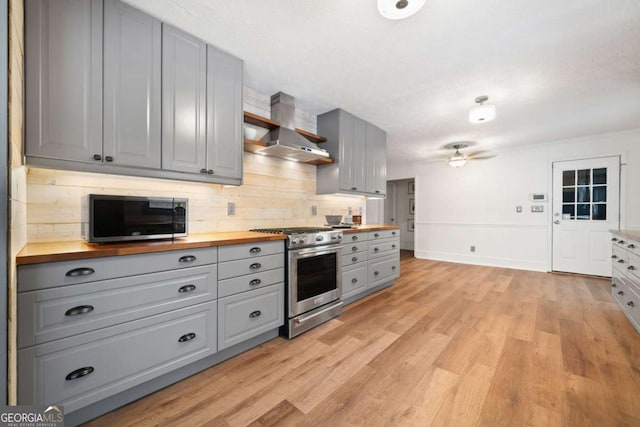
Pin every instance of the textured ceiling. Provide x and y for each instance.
(554, 69)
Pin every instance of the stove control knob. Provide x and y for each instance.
(294, 241)
(339, 236)
(302, 240)
(319, 238)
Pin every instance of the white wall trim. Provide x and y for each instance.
(479, 224)
(518, 264)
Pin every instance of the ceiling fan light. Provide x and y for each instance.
(482, 113)
(399, 9)
(457, 160)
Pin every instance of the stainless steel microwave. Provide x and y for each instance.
(123, 218)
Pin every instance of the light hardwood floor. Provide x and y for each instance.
(447, 345)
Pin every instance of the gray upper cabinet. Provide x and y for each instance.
(224, 114)
(359, 151)
(63, 47)
(132, 61)
(376, 160)
(184, 95)
(111, 89)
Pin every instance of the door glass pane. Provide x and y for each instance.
(583, 211)
(600, 212)
(584, 177)
(569, 195)
(600, 194)
(583, 194)
(568, 210)
(600, 176)
(568, 178)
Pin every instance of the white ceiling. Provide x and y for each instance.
(554, 69)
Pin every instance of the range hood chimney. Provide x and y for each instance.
(284, 141)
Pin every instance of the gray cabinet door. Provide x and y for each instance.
(376, 160)
(132, 61)
(184, 80)
(352, 152)
(63, 47)
(224, 114)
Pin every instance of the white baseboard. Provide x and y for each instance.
(486, 261)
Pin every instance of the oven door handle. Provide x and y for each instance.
(311, 316)
(323, 250)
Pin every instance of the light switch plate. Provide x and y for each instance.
(537, 208)
(314, 210)
(231, 208)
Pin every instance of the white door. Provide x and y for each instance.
(586, 205)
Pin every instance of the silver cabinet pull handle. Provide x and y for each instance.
(354, 237)
(631, 267)
(354, 248)
(255, 282)
(203, 170)
(82, 271)
(255, 266)
(393, 267)
(613, 285)
(376, 249)
(375, 273)
(393, 233)
(255, 314)
(631, 246)
(187, 288)
(376, 235)
(354, 188)
(81, 309)
(187, 337)
(79, 373)
(354, 259)
(614, 239)
(620, 261)
(97, 157)
(354, 280)
(621, 242)
(255, 250)
(614, 256)
(393, 246)
(620, 293)
(108, 159)
(630, 303)
(187, 258)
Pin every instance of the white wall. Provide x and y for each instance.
(475, 204)
(400, 199)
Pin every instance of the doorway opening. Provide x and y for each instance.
(400, 209)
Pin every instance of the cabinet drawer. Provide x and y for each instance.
(383, 271)
(249, 314)
(355, 237)
(351, 248)
(633, 268)
(620, 258)
(239, 284)
(54, 274)
(56, 313)
(250, 250)
(618, 288)
(354, 281)
(351, 259)
(633, 247)
(384, 247)
(249, 266)
(631, 304)
(383, 234)
(80, 370)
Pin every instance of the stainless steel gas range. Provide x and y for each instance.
(313, 279)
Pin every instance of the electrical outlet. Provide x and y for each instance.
(537, 208)
(314, 210)
(231, 208)
(519, 209)
(473, 248)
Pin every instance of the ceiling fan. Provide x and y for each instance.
(458, 159)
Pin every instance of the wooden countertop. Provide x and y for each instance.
(34, 253)
(627, 234)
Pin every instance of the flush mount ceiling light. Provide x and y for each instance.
(399, 9)
(482, 112)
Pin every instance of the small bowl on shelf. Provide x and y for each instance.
(333, 219)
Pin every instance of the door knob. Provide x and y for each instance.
(557, 221)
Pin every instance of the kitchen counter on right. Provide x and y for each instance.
(369, 227)
(627, 234)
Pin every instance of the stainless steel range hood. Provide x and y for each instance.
(284, 141)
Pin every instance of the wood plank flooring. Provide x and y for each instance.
(447, 345)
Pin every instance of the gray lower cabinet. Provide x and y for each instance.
(370, 260)
(248, 314)
(63, 61)
(132, 67)
(86, 368)
(359, 151)
(625, 278)
(111, 89)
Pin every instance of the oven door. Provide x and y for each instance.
(314, 278)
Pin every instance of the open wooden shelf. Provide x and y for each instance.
(263, 122)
